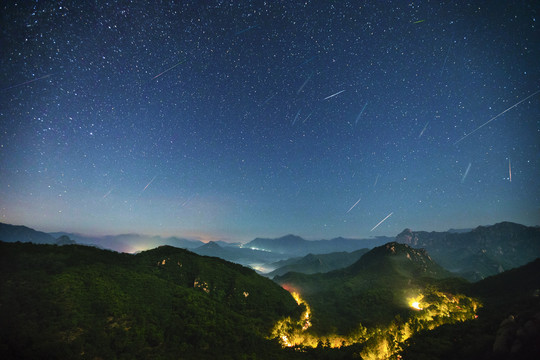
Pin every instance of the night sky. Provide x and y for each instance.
(237, 119)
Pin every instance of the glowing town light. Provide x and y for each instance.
(415, 302)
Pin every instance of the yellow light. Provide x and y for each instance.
(415, 302)
(416, 305)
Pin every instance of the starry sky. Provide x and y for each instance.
(237, 119)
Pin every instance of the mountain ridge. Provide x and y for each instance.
(484, 251)
(63, 301)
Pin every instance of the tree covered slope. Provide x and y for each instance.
(81, 302)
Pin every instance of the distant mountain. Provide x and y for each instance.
(482, 252)
(244, 256)
(320, 263)
(371, 291)
(65, 240)
(130, 243)
(228, 244)
(14, 233)
(79, 301)
(459, 230)
(293, 245)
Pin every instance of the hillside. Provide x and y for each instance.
(77, 301)
(371, 291)
(317, 263)
(482, 252)
(508, 325)
(372, 307)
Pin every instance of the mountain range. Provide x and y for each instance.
(240, 255)
(481, 252)
(293, 245)
(84, 302)
(472, 254)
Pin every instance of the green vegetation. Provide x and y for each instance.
(372, 291)
(372, 307)
(81, 302)
(508, 325)
(72, 301)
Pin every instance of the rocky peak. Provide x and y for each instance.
(408, 237)
(64, 240)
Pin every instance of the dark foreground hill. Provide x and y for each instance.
(167, 303)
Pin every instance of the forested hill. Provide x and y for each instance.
(82, 302)
(371, 291)
(507, 327)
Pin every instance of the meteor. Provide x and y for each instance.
(387, 216)
(169, 69)
(296, 117)
(27, 82)
(495, 117)
(361, 112)
(107, 194)
(331, 96)
(352, 207)
(307, 118)
(424, 129)
(247, 29)
(147, 185)
(466, 173)
(376, 179)
(509, 170)
(304, 84)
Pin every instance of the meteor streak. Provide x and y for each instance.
(361, 112)
(509, 170)
(269, 98)
(352, 207)
(495, 117)
(296, 117)
(387, 216)
(304, 84)
(247, 29)
(188, 200)
(107, 194)
(424, 129)
(26, 82)
(331, 96)
(466, 173)
(169, 69)
(147, 185)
